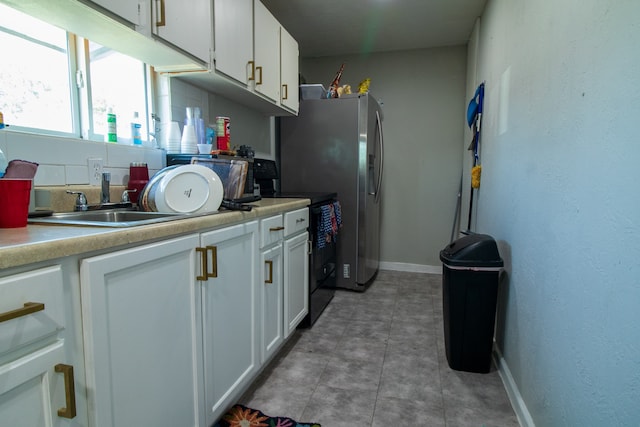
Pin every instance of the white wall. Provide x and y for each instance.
(423, 103)
(560, 155)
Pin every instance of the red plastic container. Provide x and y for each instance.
(138, 178)
(14, 202)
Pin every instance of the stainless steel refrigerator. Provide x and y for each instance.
(336, 145)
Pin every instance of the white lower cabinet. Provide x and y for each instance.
(37, 356)
(296, 269)
(296, 281)
(271, 285)
(230, 315)
(164, 334)
(143, 335)
(30, 390)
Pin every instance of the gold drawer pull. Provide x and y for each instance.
(253, 70)
(29, 308)
(204, 261)
(259, 81)
(204, 253)
(162, 22)
(69, 391)
(214, 261)
(276, 229)
(285, 89)
(270, 264)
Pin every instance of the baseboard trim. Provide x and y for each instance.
(519, 407)
(412, 268)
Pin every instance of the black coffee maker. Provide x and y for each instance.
(264, 172)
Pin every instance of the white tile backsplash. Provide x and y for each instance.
(51, 175)
(76, 174)
(63, 161)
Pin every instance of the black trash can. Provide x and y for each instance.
(471, 269)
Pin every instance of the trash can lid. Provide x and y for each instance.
(473, 250)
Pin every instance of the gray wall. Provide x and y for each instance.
(424, 106)
(560, 152)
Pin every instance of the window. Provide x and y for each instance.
(117, 81)
(53, 82)
(34, 74)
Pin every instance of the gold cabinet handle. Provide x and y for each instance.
(29, 308)
(285, 89)
(270, 264)
(252, 64)
(161, 22)
(276, 228)
(214, 261)
(204, 261)
(259, 69)
(69, 391)
(204, 254)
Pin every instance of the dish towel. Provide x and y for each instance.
(329, 224)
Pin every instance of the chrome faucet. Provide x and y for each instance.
(81, 201)
(104, 195)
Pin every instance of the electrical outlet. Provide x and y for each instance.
(95, 171)
(346, 271)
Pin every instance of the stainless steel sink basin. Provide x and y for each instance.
(108, 218)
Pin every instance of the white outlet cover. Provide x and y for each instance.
(95, 167)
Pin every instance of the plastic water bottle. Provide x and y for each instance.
(136, 127)
(112, 135)
(3, 164)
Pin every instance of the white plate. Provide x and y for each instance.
(189, 189)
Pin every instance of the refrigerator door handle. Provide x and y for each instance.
(381, 141)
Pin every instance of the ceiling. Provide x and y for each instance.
(338, 27)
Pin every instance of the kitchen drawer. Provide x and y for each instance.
(271, 230)
(43, 286)
(296, 221)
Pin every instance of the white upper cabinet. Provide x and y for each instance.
(126, 9)
(186, 25)
(233, 26)
(289, 68)
(249, 60)
(266, 52)
(125, 26)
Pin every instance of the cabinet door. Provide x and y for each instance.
(126, 9)
(141, 316)
(32, 392)
(233, 27)
(271, 288)
(230, 315)
(289, 70)
(186, 25)
(296, 281)
(266, 52)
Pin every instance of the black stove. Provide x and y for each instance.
(316, 198)
(322, 259)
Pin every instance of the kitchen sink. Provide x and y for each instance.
(109, 218)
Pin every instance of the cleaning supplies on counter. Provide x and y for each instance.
(112, 134)
(136, 129)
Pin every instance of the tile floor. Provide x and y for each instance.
(377, 359)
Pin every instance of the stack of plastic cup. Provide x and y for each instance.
(171, 137)
(189, 142)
